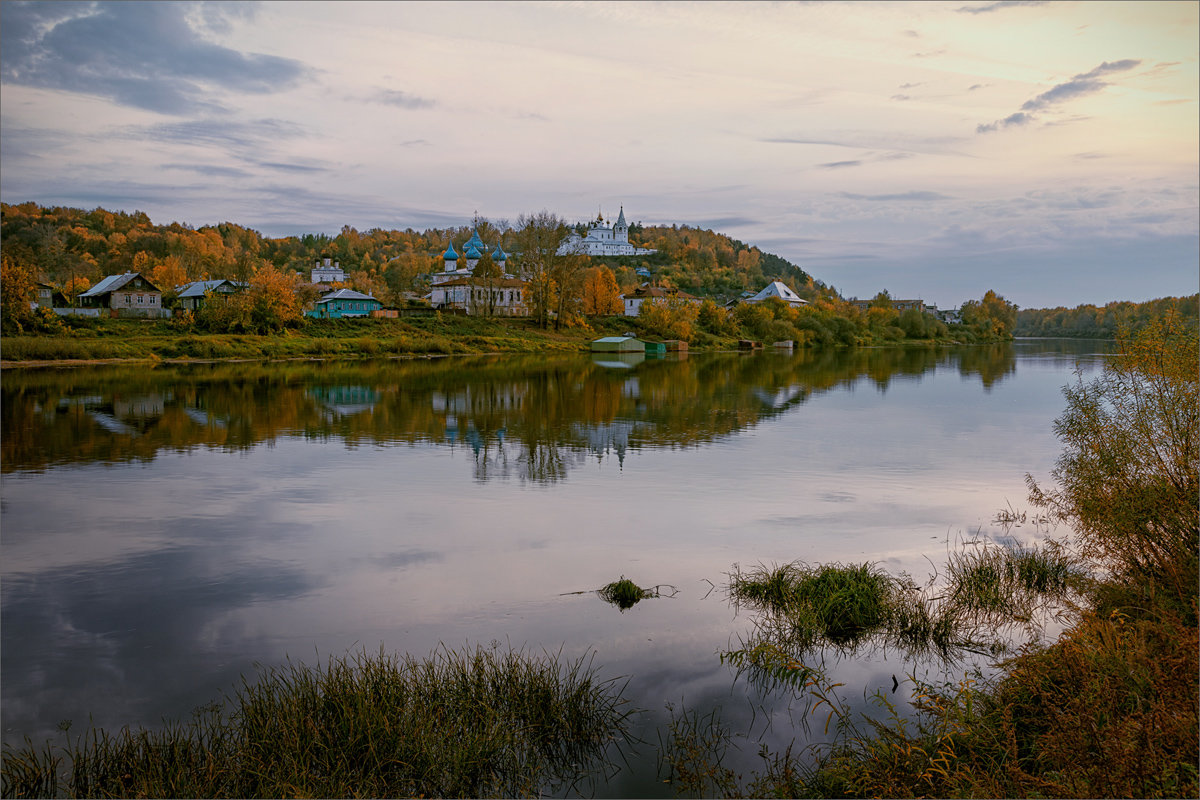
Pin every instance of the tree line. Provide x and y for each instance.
(1103, 322)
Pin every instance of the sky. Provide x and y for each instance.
(1048, 151)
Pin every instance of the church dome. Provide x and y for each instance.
(473, 252)
(499, 255)
(450, 255)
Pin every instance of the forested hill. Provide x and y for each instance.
(71, 246)
(707, 263)
(1103, 322)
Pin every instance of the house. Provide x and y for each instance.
(127, 295)
(899, 305)
(633, 301)
(780, 290)
(192, 295)
(618, 344)
(47, 296)
(501, 297)
(345, 303)
(602, 240)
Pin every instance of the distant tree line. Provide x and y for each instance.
(1103, 322)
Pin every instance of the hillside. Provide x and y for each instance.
(70, 246)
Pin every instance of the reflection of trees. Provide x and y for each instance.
(532, 418)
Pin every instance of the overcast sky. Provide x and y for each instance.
(1048, 151)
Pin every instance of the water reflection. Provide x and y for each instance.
(147, 564)
(531, 419)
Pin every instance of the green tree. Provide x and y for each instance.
(1127, 479)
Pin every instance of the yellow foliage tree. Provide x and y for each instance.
(601, 295)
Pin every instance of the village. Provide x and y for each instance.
(461, 286)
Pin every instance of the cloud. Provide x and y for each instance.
(145, 55)
(718, 223)
(840, 164)
(975, 86)
(1082, 84)
(1017, 119)
(210, 169)
(910, 85)
(900, 97)
(1085, 83)
(400, 99)
(999, 6)
(902, 196)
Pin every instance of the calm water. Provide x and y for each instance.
(165, 529)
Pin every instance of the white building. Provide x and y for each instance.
(654, 294)
(328, 272)
(602, 240)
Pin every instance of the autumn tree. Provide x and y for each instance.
(670, 318)
(538, 238)
(487, 275)
(17, 288)
(1128, 478)
(168, 275)
(600, 292)
(993, 316)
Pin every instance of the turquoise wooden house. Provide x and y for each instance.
(345, 303)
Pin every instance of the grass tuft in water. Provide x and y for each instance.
(625, 594)
(459, 723)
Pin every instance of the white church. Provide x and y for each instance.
(602, 240)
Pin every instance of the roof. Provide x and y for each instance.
(114, 282)
(780, 290)
(487, 283)
(473, 252)
(657, 291)
(347, 294)
(450, 255)
(499, 255)
(621, 219)
(198, 288)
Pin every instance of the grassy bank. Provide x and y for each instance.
(481, 723)
(89, 340)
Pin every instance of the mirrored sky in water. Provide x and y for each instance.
(135, 588)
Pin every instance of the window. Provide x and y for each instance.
(141, 299)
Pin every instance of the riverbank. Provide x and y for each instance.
(98, 341)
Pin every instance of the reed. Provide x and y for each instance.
(458, 723)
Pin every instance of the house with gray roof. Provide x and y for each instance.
(782, 291)
(345, 303)
(192, 296)
(128, 295)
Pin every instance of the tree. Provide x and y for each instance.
(17, 287)
(538, 238)
(487, 275)
(601, 295)
(670, 318)
(993, 316)
(1128, 475)
(273, 303)
(168, 275)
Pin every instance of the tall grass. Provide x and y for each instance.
(460, 723)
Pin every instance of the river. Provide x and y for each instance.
(166, 529)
